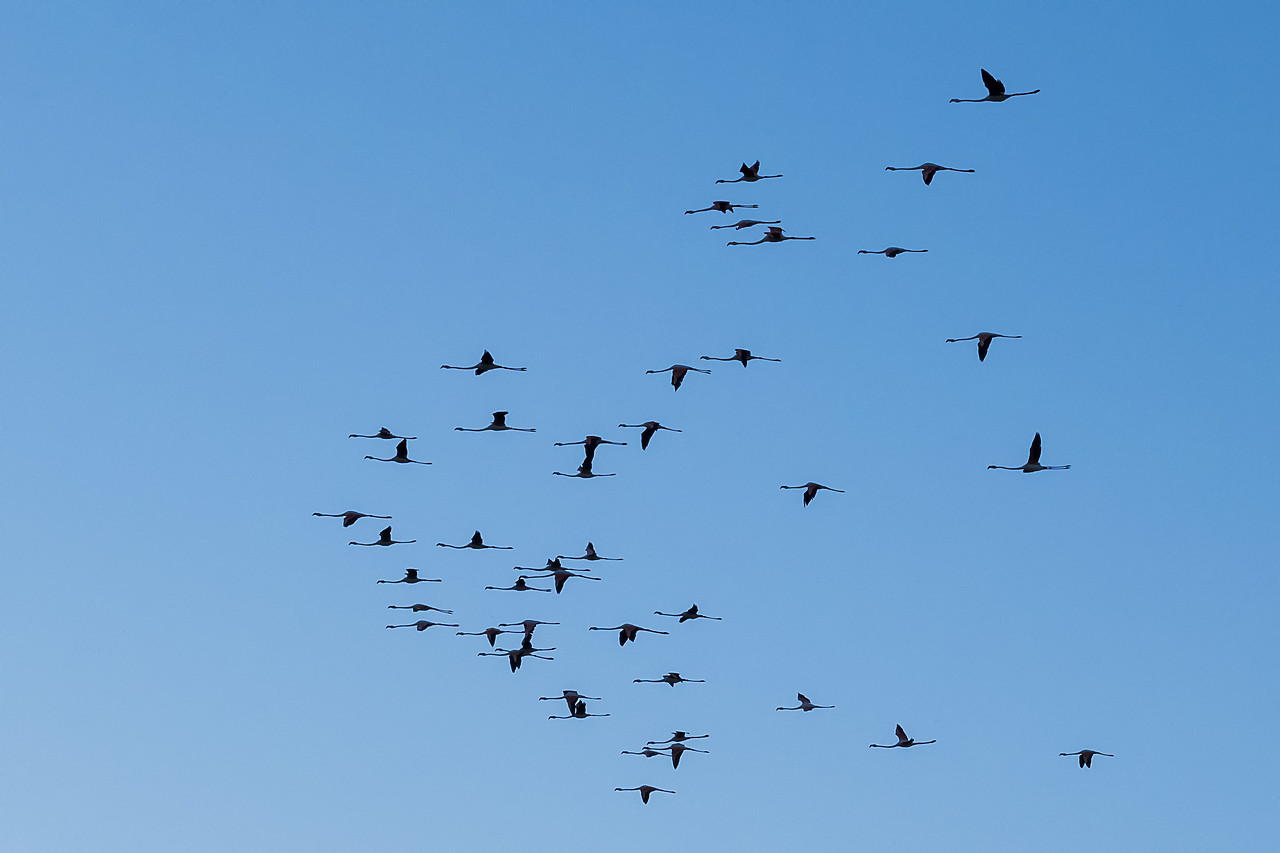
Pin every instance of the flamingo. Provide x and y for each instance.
(584, 471)
(515, 656)
(384, 433)
(349, 517)
(569, 696)
(590, 443)
(995, 91)
(551, 566)
(926, 170)
(722, 206)
(486, 364)
(519, 586)
(984, 341)
(589, 555)
(677, 373)
(811, 489)
(645, 791)
(679, 749)
(805, 705)
(903, 741)
(750, 174)
(627, 631)
(677, 737)
(1033, 461)
(411, 576)
(646, 752)
(477, 542)
(423, 624)
(691, 613)
(742, 356)
(528, 625)
(499, 424)
(419, 608)
(402, 455)
(773, 235)
(671, 679)
(891, 252)
(384, 538)
(650, 427)
(1086, 756)
(562, 575)
(579, 712)
(747, 223)
(491, 633)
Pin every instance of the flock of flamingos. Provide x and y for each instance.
(675, 746)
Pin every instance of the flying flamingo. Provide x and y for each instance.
(677, 373)
(569, 696)
(490, 633)
(750, 174)
(528, 625)
(423, 624)
(411, 576)
(1086, 756)
(691, 613)
(995, 91)
(477, 542)
(384, 538)
(650, 427)
(646, 752)
(903, 741)
(984, 341)
(677, 737)
(645, 791)
(486, 364)
(926, 170)
(499, 424)
(584, 471)
(520, 586)
(679, 749)
(811, 489)
(590, 443)
(805, 705)
(773, 235)
(562, 575)
(590, 555)
(579, 712)
(627, 631)
(349, 517)
(1033, 461)
(671, 679)
(383, 433)
(891, 252)
(747, 223)
(515, 656)
(722, 206)
(418, 608)
(742, 356)
(402, 455)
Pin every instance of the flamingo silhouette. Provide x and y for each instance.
(499, 424)
(891, 252)
(691, 613)
(650, 427)
(402, 455)
(903, 741)
(423, 624)
(1033, 461)
(486, 364)
(515, 656)
(590, 443)
(926, 170)
(747, 223)
(477, 542)
(805, 705)
(811, 489)
(772, 235)
(677, 737)
(628, 632)
(383, 433)
(722, 206)
(519, 586)
(569, 696)
(419, 608)
(750, 174)
(584, 471)
(995, 91)
(349, 517)
(679, 749)
(384, 538)
(677, 373)
(645, 791)
(742, 356)
(579, 712)
(984, 341)
(490, 633)
(1086, 756)
(411, 576)
(671, 679)
(589, 555)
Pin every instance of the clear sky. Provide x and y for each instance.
(236, 233)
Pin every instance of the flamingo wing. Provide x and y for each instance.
(994, 86)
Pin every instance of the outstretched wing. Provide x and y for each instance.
(902, 736)
(983, 345)
(994, 86)
(1034, 458)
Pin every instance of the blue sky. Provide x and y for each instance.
(236, 234)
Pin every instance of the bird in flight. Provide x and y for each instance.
(349, 517)
(742, 356)
(515, 656)
(649, 427)
(679, 749)
(1033, 461)
(722, 206)
(411, 576)
(402, 455)
(995, 91)
(628, 632)
(477, 542)
(677, 373)
(584, 471)
(805, 705)
(645, 791)
(772, 235)
(1086, 756)
(646, 752)
(691, 613)
(891, 252)
(486, 364)
(423, 624)
(903, 741)
(984, 341)
(562, 575)
(418, 608)
(499, 424)
(579, 712)
(811, 489)
(569, 696)
(490, 633)
(677, 737)
(589, 555)
(590, 443)
(747, 223)
(926, 170)
(384, 538)
(519, 586)
(671, 678)
(750, 174)
(383, 433)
